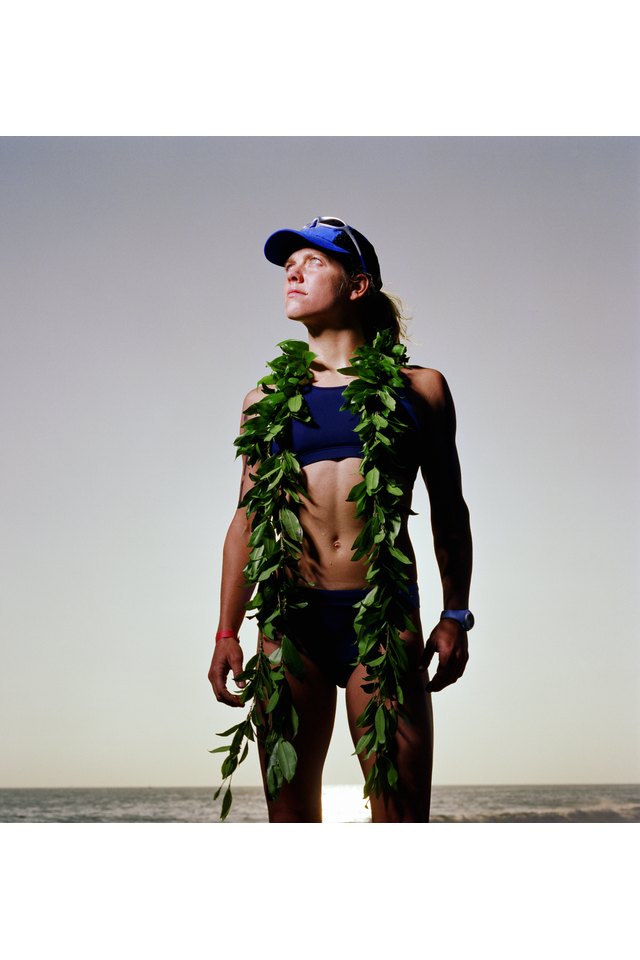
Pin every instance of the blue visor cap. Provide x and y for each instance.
(335, 240)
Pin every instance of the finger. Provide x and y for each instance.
(447, 673)
(231, 699)
(427, 655)
(441, 679)
(218, 678)
(236, 669)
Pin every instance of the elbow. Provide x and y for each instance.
(452, 533)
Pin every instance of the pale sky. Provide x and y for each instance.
(137, 311)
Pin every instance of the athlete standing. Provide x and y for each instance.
(332, 286)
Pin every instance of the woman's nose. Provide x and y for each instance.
(293, 272)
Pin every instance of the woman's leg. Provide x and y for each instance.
(414, 742)
(314, 698)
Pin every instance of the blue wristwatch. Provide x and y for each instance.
(464, 617)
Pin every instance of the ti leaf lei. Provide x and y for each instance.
(275, 549)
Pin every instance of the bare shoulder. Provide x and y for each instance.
(252, 397)
(430, 385)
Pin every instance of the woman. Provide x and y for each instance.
(332, 286)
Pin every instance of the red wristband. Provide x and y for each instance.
(222, 634)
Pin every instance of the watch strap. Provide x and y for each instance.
(464, 617)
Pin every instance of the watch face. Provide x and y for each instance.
(469, 621)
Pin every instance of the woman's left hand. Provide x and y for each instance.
(449, 640)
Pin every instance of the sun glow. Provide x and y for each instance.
(344, 803)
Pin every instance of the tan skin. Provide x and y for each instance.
(319, 294)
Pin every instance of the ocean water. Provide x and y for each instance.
(572, 803)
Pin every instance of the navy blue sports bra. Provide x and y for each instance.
(331, 435)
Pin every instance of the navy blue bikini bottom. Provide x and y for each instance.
(324, 628)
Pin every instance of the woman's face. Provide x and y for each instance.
(316, 286)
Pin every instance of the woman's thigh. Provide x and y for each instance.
(314, 697)
(413, 746)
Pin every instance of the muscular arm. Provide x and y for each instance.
(449, 522)
(234, 592)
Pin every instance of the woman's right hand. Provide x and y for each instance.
(227, 657)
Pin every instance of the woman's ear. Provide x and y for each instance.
(359, 285)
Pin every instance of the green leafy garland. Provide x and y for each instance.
(276, 543)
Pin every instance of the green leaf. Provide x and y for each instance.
(257, 534)
(268, 631)
(368, 599)
(291, 524)
(399, 555)
(372, 479)
(364, 742)
(364, 540)
(371, 783)
(273, 700)
(357, 491)
(378, 660)
(227, 733)
(387, 399)
(266, 573)
(229, 765)
(294, 403)
(381, 723)
(275, 777)
(226, 804)
(238, 738)
(295, 722)
(274, 431)
(276, 655)
(287, 759)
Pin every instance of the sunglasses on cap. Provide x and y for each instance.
(335, 223)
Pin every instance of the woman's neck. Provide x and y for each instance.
(334, 350)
